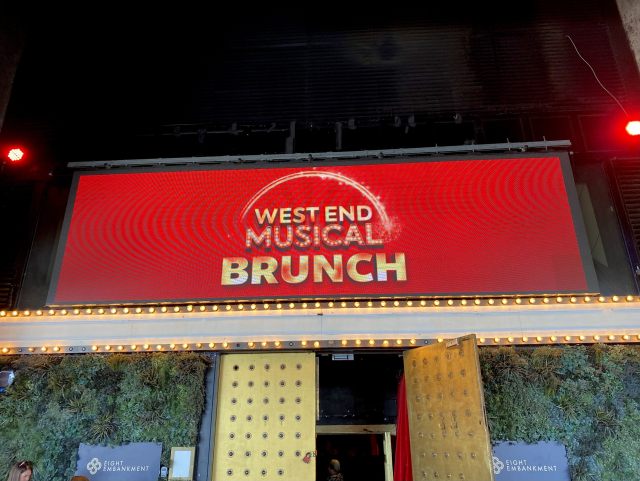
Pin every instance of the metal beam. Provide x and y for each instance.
(357, 154)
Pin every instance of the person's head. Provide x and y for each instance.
(79, 478)
(334, 467)
(21, 471)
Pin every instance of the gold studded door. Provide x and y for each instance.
(445, 404)
(265, 421)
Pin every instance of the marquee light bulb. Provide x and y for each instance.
(629, 298)
(159, 347)
(412, 342)
(370, 304)
(477, 302)
(185, 346)
(31, 349)
(553, 338)
(358, 342)
(396, 303)
(558, 299)
(356, 304)
(343, 304)
(504, 301)
(100, 311)
(5, 350)
(120, 348)
(134, 347)
(398, 341)
(152, 310)
(38, 312)
(27, 313)
(172, 346)
(587, 299)
(582, 338)
(138, 310)
(240, 307)
(56, 348)
(625, 337)
(330, 304)
(264, 343)
(146, 346)
(539, 339)
(63, 312)
(94, 348)
(482, 340)
(491, 301)
(125, 310)
(440, 339)
(450, 302)
(463, 302)
(228, 308)
(215, 308)
(385, 343)
(525, 339)
(423, 303)
(164, 309)
(632, 128)
(612, 337)
(518, 301)
(317, 304)
(615, 298)
(545, 300)
(567, 338)
(304, 343)
(225, 344)
(532, 300)
(266, 306)
(250, 344)
(496, 340)
(3, 313)
(371, 342)
(304, 305)
(344, 342)
(203, 308)
(75, 311)
(189, 308)
(510, 339)
(52, 312)
(43, 349)
(436, 303)
(277, 343)
(278, 305)
(316, 344)
(601, 299)
(176, 309)
(211, 345)
(596, 338)
(573, 300)
(291, 305)
(107, 347)
(383, 303)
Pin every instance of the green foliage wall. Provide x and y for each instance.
(57, 402)
(584, 397)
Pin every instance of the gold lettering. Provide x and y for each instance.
(264, 266)
(352, 267)
(303, 270)
(233, 271)
(399, 267)
(320, 263)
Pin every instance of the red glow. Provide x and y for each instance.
(633, 127)
(15, 155)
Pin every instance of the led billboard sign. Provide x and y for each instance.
(508, 225)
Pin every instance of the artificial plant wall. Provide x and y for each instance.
(585, 397)
(57, 402)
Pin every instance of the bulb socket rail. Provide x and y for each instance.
(392, 305)
(364, 344)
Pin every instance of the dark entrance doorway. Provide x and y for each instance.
(361, 456)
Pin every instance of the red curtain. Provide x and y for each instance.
(402, 468)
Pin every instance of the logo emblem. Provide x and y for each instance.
(497, 465)
(95, 465)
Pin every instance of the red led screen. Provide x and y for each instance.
(386, 229)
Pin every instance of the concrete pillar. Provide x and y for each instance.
(630, 14)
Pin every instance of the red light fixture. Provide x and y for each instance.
(17, 154)
(633, 127)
